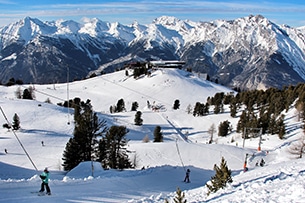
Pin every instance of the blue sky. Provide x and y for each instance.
(290, 12)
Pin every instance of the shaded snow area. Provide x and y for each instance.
(160, 167)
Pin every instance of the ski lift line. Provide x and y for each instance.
(49, 95)
(52, 96)
(140, 93)
(27, 154)
(180, 155)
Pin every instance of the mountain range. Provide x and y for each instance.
(248, 53)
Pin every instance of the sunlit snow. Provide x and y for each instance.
(185, 146)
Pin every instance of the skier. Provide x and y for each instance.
(262, 163)
(5, 150)
(187, 176)
(45, 181)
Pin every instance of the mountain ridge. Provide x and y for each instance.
(250, 52)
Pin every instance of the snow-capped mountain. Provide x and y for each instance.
(250, 52)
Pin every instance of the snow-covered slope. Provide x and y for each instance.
(165, 163)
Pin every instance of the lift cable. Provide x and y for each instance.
(180, 155)
(27, 154)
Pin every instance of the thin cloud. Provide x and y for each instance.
(7, 2)
(166, 6)
(123, 10)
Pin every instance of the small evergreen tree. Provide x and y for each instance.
(217, 108)
(221, 178)
(158, 137)
(176, 104)
(134, 106)
(16, 122)
(206, 109)
(112, 109)
(199, 109)
(48, 100)
(120, 107)
(11, 82)
(27, 94)
(233, 109)
(179, 198)
(224, 128)
(138, 120)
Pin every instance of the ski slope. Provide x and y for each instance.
(184, 146)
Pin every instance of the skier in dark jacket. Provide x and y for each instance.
(45, 181)
(187, 176)
(262, 163)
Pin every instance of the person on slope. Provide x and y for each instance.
(45, 181)
(187, 176)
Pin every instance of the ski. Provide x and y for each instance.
(41, 193)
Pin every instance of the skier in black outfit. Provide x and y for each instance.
(187, 176)
(45, 181)
(262, 163)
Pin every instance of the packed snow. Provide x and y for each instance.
(160, 167)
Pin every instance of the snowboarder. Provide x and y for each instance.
(45, 181)
(187, 176)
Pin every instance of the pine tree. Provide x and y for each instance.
(281, 127)
(196, 111)
(102, 152)
(71, 156)
(179, 198)
(221, 178)
(134, 106)
(138, 120)
(16, 122)
(120, 107)
(84, 144)
(27, 94)
(206, 109)
(115, 148)
(272, 125)
(176, 104)
(233, 108)
(223, 128)
(217, 108)
(199, 109)
(158, 137)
